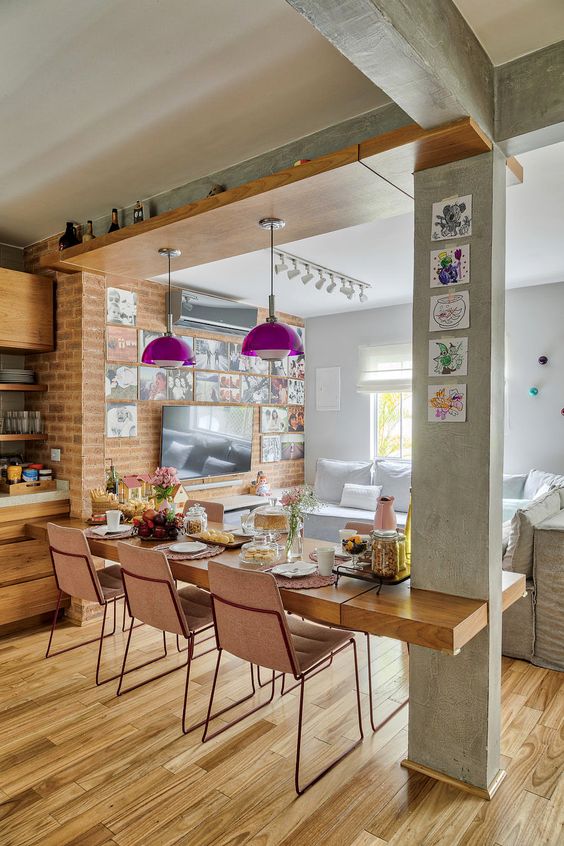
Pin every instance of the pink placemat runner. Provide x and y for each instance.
(90, 533)
(313, 581)
(209, 552)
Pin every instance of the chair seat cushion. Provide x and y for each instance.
(313, 642)
(111, 581)
(196, 605)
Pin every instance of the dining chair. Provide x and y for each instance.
(76, 575)
(214, 510)
(153, 598)
(365, 528)
(250, 623)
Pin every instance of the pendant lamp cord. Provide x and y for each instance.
(271, 309)
(169, 303)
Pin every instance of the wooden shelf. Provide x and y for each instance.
(20, 386)
(6, 438)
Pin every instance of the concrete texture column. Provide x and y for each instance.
(454, 721)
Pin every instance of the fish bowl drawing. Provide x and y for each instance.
(449, 311)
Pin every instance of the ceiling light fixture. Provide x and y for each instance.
(273, 340)
(308, 275)
(332, 284)
(281, 266)
(321, 281)
(343, 289)
(363, 298)
(295, 271)
(327, 279)
(169, 351)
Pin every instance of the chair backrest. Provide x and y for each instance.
(74, 568)
(249, 617)
(214, 510)
(364, 528)
(150, 590)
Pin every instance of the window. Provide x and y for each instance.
(392, 413)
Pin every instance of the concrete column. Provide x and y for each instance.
(454, 722)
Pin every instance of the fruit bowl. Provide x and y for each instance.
(162, 525)
(355, 546)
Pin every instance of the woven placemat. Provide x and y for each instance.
(209, 552)
(126, 533)
(313, 581)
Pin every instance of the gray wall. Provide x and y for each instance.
(534, 427)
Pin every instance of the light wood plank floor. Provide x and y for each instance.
(79, 766)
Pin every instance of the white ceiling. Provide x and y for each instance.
(508, 29)
(381, 252)
(111, 101)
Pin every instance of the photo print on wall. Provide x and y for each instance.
(450, 266)
(254, 364)
(446, 403)
(279, 391)
(292, 447)
(448, 357)
(229, 388)
(121, 420)
(235, 361)
(273, 419)
(296, 367)
(180, 384)
(279, 368)
(121, 382)
(451, 311)
(153, 383)
(452, 218)
(296, 418)
(121, 344)
(206, 387)
(271, 449)
(255, 389)
(121, 306)
(211, 355)
(296, 393)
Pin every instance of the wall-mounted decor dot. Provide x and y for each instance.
(533, 392)
(562, 411)
(543, 359)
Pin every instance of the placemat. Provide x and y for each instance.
(209, 552)
(313, 581)
(126, 533)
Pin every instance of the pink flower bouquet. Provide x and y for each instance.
(164, 480)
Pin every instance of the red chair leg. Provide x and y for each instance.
(210, 716)
(370, 699)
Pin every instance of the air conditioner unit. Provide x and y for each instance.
(202, 311)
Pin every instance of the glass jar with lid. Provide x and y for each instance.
(267, 518)
(386, 554)
(196, 520)
(261, 550)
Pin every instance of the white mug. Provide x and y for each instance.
(325, 559)
(113, 519)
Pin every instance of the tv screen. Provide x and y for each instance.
(207, 440)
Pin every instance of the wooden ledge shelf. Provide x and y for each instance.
(20, 386)
(6, 438)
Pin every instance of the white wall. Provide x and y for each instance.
(534, 429)
(333, 341)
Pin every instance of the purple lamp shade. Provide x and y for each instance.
(168, 351)
(272, 341)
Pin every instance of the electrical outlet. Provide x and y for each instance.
(55, 455)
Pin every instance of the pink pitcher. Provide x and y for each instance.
(385, 516)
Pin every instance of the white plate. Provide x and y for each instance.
(294, 571)
(103, 530)
(192, 546)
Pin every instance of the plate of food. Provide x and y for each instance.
(226, 539)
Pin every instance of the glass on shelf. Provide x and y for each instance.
(262, 550)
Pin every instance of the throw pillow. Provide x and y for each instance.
(513, 485)
(331, 476)
(538, 482)
(363, 497)
(395, 478)
(519, 555)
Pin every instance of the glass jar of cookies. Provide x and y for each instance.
(196, 520)
(386, 554)
(261, 551)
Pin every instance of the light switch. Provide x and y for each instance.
(55, 455)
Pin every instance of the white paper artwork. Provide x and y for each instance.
(450, 266)
(446, 403)
(449, 311)
(452, 218)
(448, 357)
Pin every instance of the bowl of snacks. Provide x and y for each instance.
(356, 546)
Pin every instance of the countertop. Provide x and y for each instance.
(62, 492)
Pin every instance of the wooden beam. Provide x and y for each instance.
(514, 171)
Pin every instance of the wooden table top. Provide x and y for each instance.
(436, 620)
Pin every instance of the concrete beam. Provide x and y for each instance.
(422, 53)
(328, 140)
(529, 101)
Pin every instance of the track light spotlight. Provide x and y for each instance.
(308, 275)
(343, 289)
(363, 298)
(321, 281)
(281, 266)
(295, 271)
(332, 284)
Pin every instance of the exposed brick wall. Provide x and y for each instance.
(74, 406)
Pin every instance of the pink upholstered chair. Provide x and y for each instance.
(153, 598)
(76, 575)
(365, 529)
(214, 510)
(251, 623)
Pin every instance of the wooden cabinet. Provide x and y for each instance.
(26, 312)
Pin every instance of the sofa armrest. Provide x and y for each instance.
(548, 574)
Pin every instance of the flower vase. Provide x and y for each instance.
(385, 516)
(295, 541)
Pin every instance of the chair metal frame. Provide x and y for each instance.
(300, 677)
(189, 634)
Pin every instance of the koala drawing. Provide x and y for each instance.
(453, 221)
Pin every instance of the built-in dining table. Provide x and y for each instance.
(439, 621)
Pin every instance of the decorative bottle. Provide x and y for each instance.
(112, 479)
(114, 225)
(89, 234)
(68, 238)
(138, 212)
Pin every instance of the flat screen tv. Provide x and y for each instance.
(207, 440)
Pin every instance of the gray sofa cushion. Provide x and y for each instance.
(331, 475)
(514, 485)
(539, 482)
(395, 478)
(549, 589)
(519, 555)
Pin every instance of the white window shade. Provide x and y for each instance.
(384, 368)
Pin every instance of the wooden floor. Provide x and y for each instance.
(79, 766)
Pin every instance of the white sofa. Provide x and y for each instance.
(331, 476)
(521, 489)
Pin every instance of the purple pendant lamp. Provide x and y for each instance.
(168, 351)
(273, 340)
